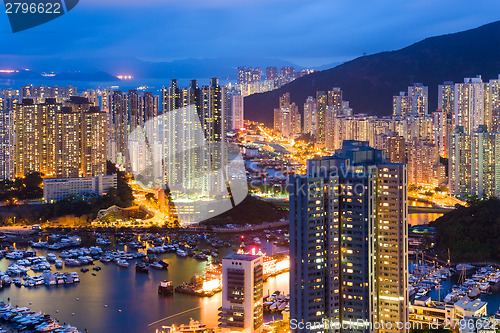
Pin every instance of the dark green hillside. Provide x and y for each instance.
(471, 233)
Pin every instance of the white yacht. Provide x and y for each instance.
(122, 263)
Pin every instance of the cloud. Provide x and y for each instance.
(308, 31)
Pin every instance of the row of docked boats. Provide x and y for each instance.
(82, 251)
(22, 318)
(143, 267)
(183, 251)
(46, 278)
(481, 282)
(61, 242)
(120, 258)
(426, 277)
(276, 302)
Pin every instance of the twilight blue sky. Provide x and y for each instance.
(308, 33)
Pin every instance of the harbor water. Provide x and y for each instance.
(118, 299)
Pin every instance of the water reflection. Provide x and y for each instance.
(422, 218)
(101, 297)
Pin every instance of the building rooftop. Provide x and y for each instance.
(241, 256)
(470, 305)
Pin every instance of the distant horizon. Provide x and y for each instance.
(310, 35)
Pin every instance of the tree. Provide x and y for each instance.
(150, 197)
(123, 196)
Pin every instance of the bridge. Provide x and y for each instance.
(435, 210)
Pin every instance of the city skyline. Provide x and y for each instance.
(329, 167)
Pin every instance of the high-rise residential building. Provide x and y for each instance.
(272, 73)
(446, 97)
(92, 126)
(93, 138)
(469, 107)
(105, 99)
(419, 98)
(459, 163)
(310, 116)
(5, 139)
(66, 141)
(59, 140)
(179, 106)
(402, 105)
(494, 104)
(134, 112)
(243, 75)
(474, 164)
(346, 109)
(288, 121)
(38, 93)
(321, 104)
(348, 240)
(150, 106)
(248, 75)
(287, 73)
(242, 294)
(188, 113)
(92, 96)
(396, 148)
(335, 99)
(423, 163)
(34, 137)
(420, 128)
(237, 111)
(303, 72)
(277, 120)
(127, 111)
(442, 124)
(485, 163)
(330, 130)
(285, 100)
(117, 134)
(256, 75)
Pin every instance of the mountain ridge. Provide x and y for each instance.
(370, 81)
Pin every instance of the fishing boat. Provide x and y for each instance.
(51, 257)
(163, 263)
(18, 282)
(166, 288)
(71, 262)
(156, 265)
(141, 267)
(200, 256)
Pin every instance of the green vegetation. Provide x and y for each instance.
(251, 210)
(471, 233)
(281, 327)
(29, 187)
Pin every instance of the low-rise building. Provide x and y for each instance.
(428, 312)
(55, 189)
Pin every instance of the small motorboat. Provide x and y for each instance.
(141, 268)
